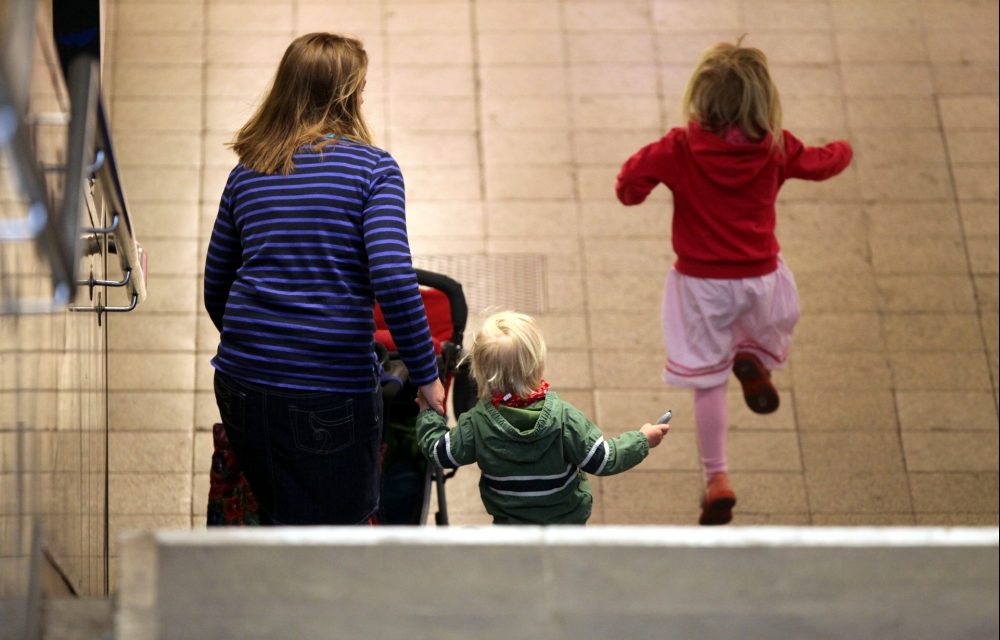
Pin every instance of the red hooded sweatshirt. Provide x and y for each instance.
(724, 194)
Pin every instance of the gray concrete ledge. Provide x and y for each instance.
(560, 582)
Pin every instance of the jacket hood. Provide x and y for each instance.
(523, 444)
(731, 165)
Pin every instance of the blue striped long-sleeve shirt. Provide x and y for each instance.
(294, 267)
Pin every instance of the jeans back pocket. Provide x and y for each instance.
(323, 430)
(232, 404)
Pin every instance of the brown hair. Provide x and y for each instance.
(507, 355)
(732, 86)
(315, 98)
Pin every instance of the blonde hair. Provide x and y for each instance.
(507, 355)
(732, 86)
(315, 98)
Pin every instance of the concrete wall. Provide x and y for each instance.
(551, 583)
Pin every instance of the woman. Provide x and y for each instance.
(311, 232)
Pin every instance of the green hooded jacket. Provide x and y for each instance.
(534, 460)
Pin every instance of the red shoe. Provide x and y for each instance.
(718, 502)
(758, 391)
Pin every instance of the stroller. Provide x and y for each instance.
(407, 477)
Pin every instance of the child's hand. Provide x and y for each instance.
(421, 403)
(654, 433)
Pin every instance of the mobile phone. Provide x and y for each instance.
(665, 418)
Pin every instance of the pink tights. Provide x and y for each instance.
(712, 422)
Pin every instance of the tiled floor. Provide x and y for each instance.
(510, 120)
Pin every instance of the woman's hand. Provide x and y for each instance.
(431, 396)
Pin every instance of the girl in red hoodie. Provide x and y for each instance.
(730, 303)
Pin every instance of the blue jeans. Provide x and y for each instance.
(310, 458)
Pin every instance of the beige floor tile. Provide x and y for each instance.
(963, 79)
(230, 48)
(979, 218)
(427, 17)
(627, 255)
(741, 418)
(947, 15)
(897, 112)
(228, 115)
(157, 17)
(427, 48)
(561, 254)
(988, 323)
(812, 371)
(956, 519)
(812, 81)
(149, 411)
(215, 149)
(839, 332)
(597, 182)
(961, 371)
(173, 256)
(928, 181)
(881, 46)
(513, 147)
(850, 256)
(517, 15)
(565, 290)
(569, 369)
(206, 412)
(917, 255)
(766, 494)
(682, 50)
(148, 149)
(150, 451)
(954, 492)
(622, 409)
(986, 291)
(859, 492)
(169, 294)
(982, 254)
(161, 184)
(157, 80)
(881, 146)
(814, 113)
(151, 371)
(160, 47)
(888, 15)
(837, 292)
(949, 294)
(937, 219)
(564, 330)
(510, 182)
(442, 183)
(651, 497)
(613, 79)
(499, 112)
(867, 79)
(790, 47)
(603, 219)
(962, 45)
(603, 114)
(238, 80)
(637, 330)
(409, 78)
(530, 218)
(154, 332)
(932, 331)
(610, 47)
(952, 451)
(432, 114)
(522, 80)
(338, 17)
(181, 115)
(685, 16)
(843, 188)
(976, 181)
(118, 524)
(864, 520)
(264, 18)
(852, 450)
(525, 47)
(755, 451)
(785, 15)
(946, 410)
(626, 15)
(454, 219)
(150, 493)
(204, 374)
(627, 369)
(623, 292)
(582, 399)
(968, 112)
(200, 486)
(840, 410)
(434, 149)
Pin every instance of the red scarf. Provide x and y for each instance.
(514, 400)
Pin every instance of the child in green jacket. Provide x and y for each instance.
(534, 450)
